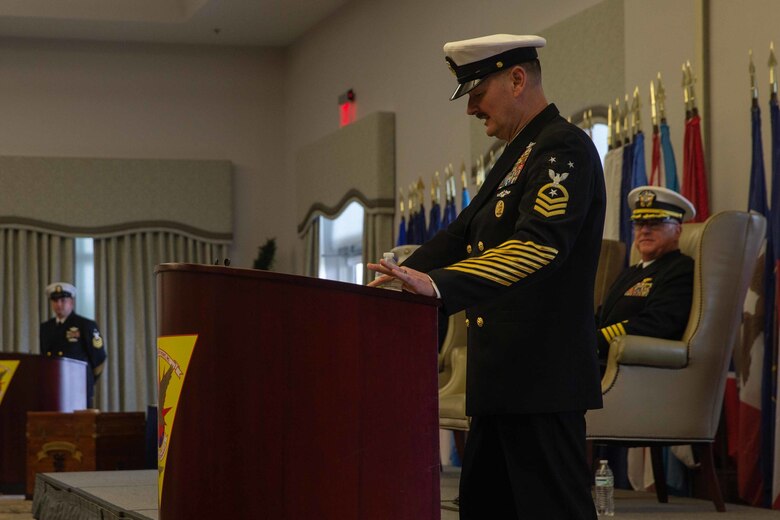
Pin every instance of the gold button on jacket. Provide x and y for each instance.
(468, 249)
(480, 322)
(481, 246)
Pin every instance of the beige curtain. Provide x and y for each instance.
(126, 309)
(311, 246)
(31, 259)
(377, 237)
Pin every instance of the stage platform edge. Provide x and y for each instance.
(96, 494)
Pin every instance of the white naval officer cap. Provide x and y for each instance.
(472, 60)
(58, 290)
(657, 203)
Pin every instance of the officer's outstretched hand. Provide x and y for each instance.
(413, 281)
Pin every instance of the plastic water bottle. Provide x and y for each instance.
(605, 490)
(394, 285)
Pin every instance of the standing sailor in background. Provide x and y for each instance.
(521, 259)
(72, 336)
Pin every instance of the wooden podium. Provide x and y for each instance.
(39, 384)
(303, 398)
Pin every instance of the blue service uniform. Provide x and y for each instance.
(76, 338)
(521, 259)
(648, 301)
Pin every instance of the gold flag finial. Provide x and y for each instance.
(609, 127)
(629, 130)
(618, 127)
(653, 111)
(691, 85)
(411, 199)
(436, 188)
(463, 179)
(661, 99)
(685, 88)
(636, 109)
(772, 66)
(752, 72)
(401, 200)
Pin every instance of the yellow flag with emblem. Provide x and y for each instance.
(173, 358)
(7, 370)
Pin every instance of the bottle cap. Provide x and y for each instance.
(389, 256)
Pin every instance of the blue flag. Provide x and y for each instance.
(638, 168)
(434, 221)
(670, 166)
(465, 198)
(768, 380)
(402, 232)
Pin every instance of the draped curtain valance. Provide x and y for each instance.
(83, 196)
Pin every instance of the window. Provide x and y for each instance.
(85, 277)
(341, 245)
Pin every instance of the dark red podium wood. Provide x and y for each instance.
(303, 399)
(40, 384)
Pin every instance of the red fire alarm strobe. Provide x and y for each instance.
(347, 108)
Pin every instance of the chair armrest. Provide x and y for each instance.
(647, 351)
(457, 382)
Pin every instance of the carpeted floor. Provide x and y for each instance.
(15, 508)
(628, 506)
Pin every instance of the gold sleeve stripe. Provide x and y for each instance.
(480, 274)
(535, 263)
(610, 332)
(551, 205)
(507, 263)
(546, 213)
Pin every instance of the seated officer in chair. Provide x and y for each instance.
(653, 297)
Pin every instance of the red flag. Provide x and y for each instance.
(694, 170)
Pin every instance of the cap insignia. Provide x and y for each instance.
(646, 199)
(58, 288)
(499, 64)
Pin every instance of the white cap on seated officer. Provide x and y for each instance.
(658, 203)
(657, 214)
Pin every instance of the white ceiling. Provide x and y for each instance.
(214, 22)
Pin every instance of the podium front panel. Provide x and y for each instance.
(303, 398)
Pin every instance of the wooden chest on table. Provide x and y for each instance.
(83, 441)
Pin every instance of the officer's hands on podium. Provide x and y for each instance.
(413, 281)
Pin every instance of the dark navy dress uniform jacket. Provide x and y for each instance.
(521, 259)
(76, 338)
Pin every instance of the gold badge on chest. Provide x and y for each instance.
(499, 208)
(641, 289)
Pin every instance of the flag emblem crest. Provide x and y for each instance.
(7, 370)
(173, 359)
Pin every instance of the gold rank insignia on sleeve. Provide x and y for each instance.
(97, 341)
(552, 198)
(641, 289)
(507, 263)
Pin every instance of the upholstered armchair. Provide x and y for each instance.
(611, 263)
(661, 392)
